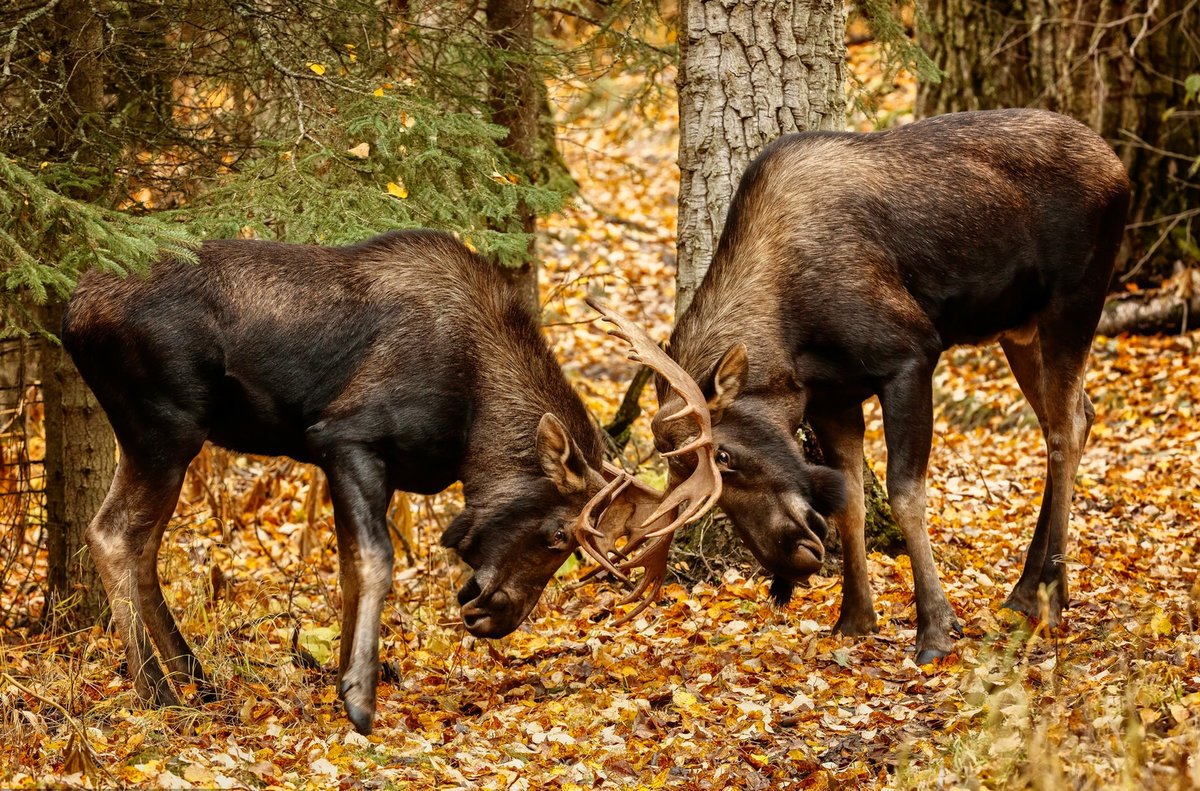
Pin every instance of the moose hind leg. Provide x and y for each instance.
(1025, 360)
(1070, 425)
(1068, 422)
(117, 536)
(172, 646)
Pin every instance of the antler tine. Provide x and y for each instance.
(585, 532)
(651, 354)
(636, 513)
(648, 589)
(594, 575)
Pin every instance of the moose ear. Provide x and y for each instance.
(559, 458)
(828, 490)
(728, 380)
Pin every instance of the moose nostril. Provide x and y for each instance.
(818, 526)
(474, 619)
(469, 591)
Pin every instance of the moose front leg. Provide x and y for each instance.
(840, 435)
(907, 403)
(358, 487)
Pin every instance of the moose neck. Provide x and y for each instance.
(517, 380)
(739, 301)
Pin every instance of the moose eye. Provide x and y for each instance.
(560, 537)
(723, 458)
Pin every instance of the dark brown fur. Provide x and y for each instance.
(406, 362)
(848, 263)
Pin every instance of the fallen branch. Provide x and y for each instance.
(1170, 310)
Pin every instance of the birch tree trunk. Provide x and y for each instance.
(749, 72)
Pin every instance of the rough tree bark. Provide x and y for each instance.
(515, 96)
(80, 449)
(1121, 68)
(749, 72)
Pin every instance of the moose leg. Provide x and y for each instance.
(348, 581)
(172, 646)
(1050, 372)
(907, 402)
(358, 485)
(1025, 360)
(123, 528)
(840, 436)
(1069, 418)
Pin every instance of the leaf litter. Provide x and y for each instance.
(716, 688)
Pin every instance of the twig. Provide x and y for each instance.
(1125, 278)
(12, 34)
(1141, 34)
(75, 724)
(1154, 149)
(609, 217)
(972, 465)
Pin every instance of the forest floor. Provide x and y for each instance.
(716, 688)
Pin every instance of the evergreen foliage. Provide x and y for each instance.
(68, 236)
(309, 122)
(900, 49)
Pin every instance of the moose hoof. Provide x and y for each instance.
(937, 641)
(361, 717)
(157, 693)
(856, 624)
(928, 656)
(1032, 608)
(1023, 602)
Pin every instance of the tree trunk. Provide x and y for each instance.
(515, 96)
(1121, 68)
(80, 450)
(748, 73)
(80, 462)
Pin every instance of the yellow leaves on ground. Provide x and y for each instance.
(317, 69)
(718, 688)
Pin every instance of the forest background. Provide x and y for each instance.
(548, 137)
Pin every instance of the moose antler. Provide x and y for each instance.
(633, 511)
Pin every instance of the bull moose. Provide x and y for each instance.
(848, 263)
(405, 362)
